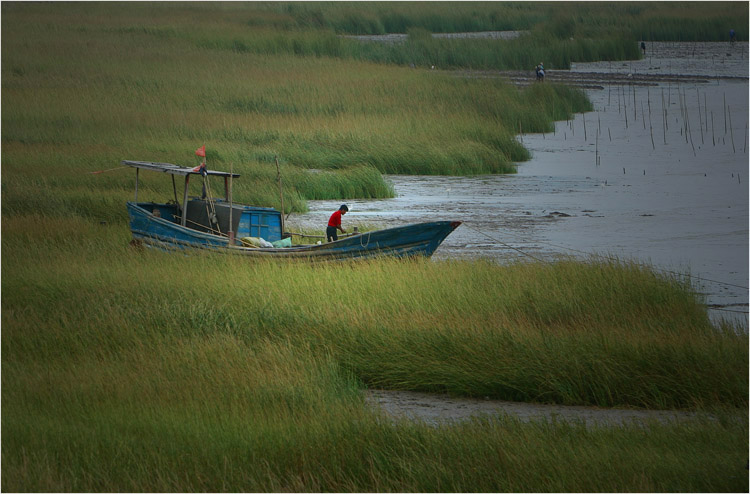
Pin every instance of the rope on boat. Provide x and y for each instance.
(321, 236)
(506, 245)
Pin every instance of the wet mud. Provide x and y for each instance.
(445, 410)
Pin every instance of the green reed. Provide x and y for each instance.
(141, 370)
(130, 370)
(70, 110)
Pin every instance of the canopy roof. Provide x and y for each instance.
(175, 169)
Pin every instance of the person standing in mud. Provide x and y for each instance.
(540, 71)
(334, 223)
(732, 36)
(643, 47)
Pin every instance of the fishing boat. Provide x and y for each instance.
(220, 224)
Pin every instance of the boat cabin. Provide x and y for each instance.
(209, 216)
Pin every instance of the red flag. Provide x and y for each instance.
(201, 151)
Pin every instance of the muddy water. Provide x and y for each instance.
(444, 410)
(666, 186)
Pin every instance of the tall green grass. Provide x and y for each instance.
(70, 110)
(129, 370)
(140, 370)
(593, 333)
(665, 21)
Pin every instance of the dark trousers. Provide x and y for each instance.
(331, 234)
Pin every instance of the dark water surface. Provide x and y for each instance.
(668, 187)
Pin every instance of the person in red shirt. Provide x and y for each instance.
(334, 223)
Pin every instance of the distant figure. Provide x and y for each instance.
(643, 47)
(540, 71)
(732, 36)
(334, 223)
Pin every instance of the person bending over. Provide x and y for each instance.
(334, 223)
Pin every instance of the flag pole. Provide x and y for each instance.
(281, 195)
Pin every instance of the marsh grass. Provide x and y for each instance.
(69, 110)
(142, 370)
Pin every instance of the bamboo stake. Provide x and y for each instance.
(663, 117)
(731, 130)
(583, 116)
(688, 131)
(725, 113)
(705, 109)
(651, 129)
(713, 134)
(597, 150)
(700, 117)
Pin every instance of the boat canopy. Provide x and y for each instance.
(175, 169)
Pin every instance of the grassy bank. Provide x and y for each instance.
(69, 109)
(654, 21)
(128, 370)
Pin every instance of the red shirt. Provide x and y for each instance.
(335, 219)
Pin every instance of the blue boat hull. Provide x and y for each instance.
(421, 239)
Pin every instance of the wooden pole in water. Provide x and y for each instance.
(651, 128)
(725, 113)
(583, 116)
(642, 113)
(700, 116)
(596, 156)
(705, 108)
(663, 117)
(731, 130)
(713, 134)
(669, 93)
(746, 128)
(687, 128)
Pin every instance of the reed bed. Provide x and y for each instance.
(141, 370)
(70, 111)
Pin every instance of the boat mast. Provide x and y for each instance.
(183, 222)
(231, 208)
